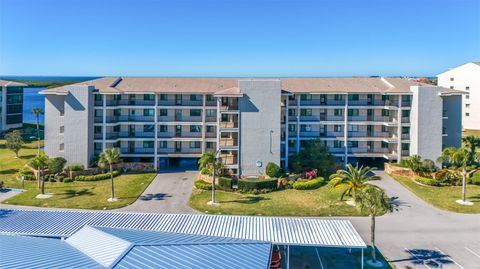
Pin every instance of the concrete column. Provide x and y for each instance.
(219, 100)
(204, 126)
(298, 125)
(155, 144)
(345, 129)
(286, 133)
(104, 121)
(399, 129)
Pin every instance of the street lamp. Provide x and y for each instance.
(23, 181)
(212, 202)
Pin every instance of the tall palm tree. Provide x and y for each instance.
(352, 179)
(472, 142)
(373, 200)
(109, 157)
(205, 163)
(40, 162)
(458, 161)
(37, 111)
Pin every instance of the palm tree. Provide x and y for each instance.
(373, 200)
(414, 162)
(40, 162)
(109, 157)
(353, 179)
(205, 163)
(472, 143)
(458, 160)
(37, 111)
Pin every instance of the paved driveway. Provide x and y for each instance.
(421, 236)
(168, 193)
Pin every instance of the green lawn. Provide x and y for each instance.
(87, 195)
(9, 165)
(444, 197)
(319, 202)
(466, 132)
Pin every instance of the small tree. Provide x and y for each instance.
(313, 155)
(414, 162)
(14, 141)
(40, 162)
(472, 143)
(373, 200)
(273, 170)
(56, 165)
(353, 179)
(205, 164)
(37, 111)
(109, 157)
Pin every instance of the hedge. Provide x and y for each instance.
(97, 177)
(257, 184)
(75, 167)
(475, 178)
(428, 181)
(224, 183)
(200, 184)
(308, 185)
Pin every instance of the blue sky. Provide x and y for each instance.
(237, 38)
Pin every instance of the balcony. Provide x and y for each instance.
(133, 102)
(369, 150)
(229, 159)
(179, 135)
(131, 118)
(336, 150)
(405, 119)
(230, 106)
(405, 136)
(228, 125)
(210, 119)
(406, 103)
(138, 151)
(180, 118)
(182, 102)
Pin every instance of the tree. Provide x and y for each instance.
(14, 141)
(373, 200)
(108, 158)
(56, 165)
(313, 155)
(205, 164)
(457, 160)
(273, 170)
(40, 162)
(352, 179)
(414, 162)
(37, 111)
(472, 143)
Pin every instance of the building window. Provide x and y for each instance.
(353, 97)
(405, 130)
(451, 79)
(451, 87)
(195, 112)
(405, 146)
(116, 128)
(148, 144)
(62, 129)
(353, 128)
(306, 97)
(163, 97)
(163, 128)
(384, 129)
(338, 97)
(338, 112)
(337, 144)
(305, 128)
(353, 144)
(384, 145)
(353, 112)
(210, 129)
(98, 97)
(97, 129)
(405, 113)
(194, 97)
(337, 128)
(210, 97)
(148, 97)
(97, 113)
(444, 130)
(291, 128)
(385, 113)
(163, 144)
(467, 88)
(292, 112)
(467, 96)
(148, 112)
(467, 105)
(194, 144)
(62, 147)
(467, 114)
(163, 112)
(305, 112)
(117, 112)
(148, 128)
(97, 146)
(385, 97)
(195, 128)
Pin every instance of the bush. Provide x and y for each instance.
(56, 165)
(247, 185)
(67, 180)
(97, 177)
(1, 184)
(200, 184)
(60, 178)
(429, 181)
(428, 166)
(224, 183)
(308, 185)
(475, 178)
(273, 170)
(75, 167)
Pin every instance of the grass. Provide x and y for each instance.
(86, 195)
(444, 197)
(467, 132)
(9, 165)
(319, 202)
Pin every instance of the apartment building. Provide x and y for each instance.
(466, 78)
(11, 104)
(250, 122)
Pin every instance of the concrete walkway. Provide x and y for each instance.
(419, 235)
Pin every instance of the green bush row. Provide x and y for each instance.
(475, 178)
(200, 184)
(224, 183)
(246, 185)
(97, 177)
(308, 185)
(429, 181)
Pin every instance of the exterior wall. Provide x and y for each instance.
(54, 106)
(452, 121)
(426, 122)
(10, 109)
(466, 78)
(260, 117)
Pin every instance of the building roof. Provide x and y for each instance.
(453, 68)
(113, 85)
(6, 83)
(277, 230)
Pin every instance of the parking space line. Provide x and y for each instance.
(416, 257)
(450, 258)
(473, 252)
(319, 259)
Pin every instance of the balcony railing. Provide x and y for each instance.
(228, 142)
(228, 124)
(146, 151)
(112, 119)
(182, 102)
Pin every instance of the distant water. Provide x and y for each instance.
(47, 78)
(31, 100)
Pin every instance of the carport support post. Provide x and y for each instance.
(288, 256)
(362, 258)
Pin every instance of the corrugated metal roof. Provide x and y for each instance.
(278, 230)
(34, 252)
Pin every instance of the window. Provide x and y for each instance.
(292, 128)
(385, 97)
(405, 113)
(148, 128)
(98, 97)
(148, 97)
(452, 79)
(163, 128)
(195, 112)
(62, 113)
(163, 144)
(148, 112)
(163, 112)
(117, 97)
(62, 146)
(385, 113)
(405, 130)
(292, 112)
(97, 129)
(291, 97)
(194, 144)
(384, 145)
(467, 88)
(195, 128)
(117, 112)
(148, 144)
(62, 129)
(451, 87)
(194, 97)
(353, 144)
(405, 146)
(305, 128)
(163, 97)
(338, 97)
(467, 105)
(467, 96)
(116, 128)
(467, 114)
(337, 128)
(444, 130)
(305, 112)
(210, 129)
(210, 112)
(209, 145)
(384, 129)
(352, 112)
(97, 146)
(353, 128)
(353, 97)
(306, 97)
(210, 97)
(338, 112)
(337, 144)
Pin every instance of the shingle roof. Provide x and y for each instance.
(6, 83)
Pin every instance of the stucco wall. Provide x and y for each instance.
(54, 104)
(452, 105)
(260, 114)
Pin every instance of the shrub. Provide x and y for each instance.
(428, 166)
(67, 180)
(311, 174)
(56, 165)
(60, 178)
(475, 178)
(1, 184)
(97, 177)
(429, 181)
(76, 167)
(247, 185)
(308, 185)
(273, 170)
(200, 184)
(224, 183)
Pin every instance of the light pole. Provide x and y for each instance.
(23, 181)
(212, 202)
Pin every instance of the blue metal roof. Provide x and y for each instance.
(35, 252)
(277, 230)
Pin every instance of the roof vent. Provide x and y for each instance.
(115, 83)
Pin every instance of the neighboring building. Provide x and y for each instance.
(466, 78)
(11, 104)
(170, 121)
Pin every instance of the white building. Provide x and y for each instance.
(465, 77)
